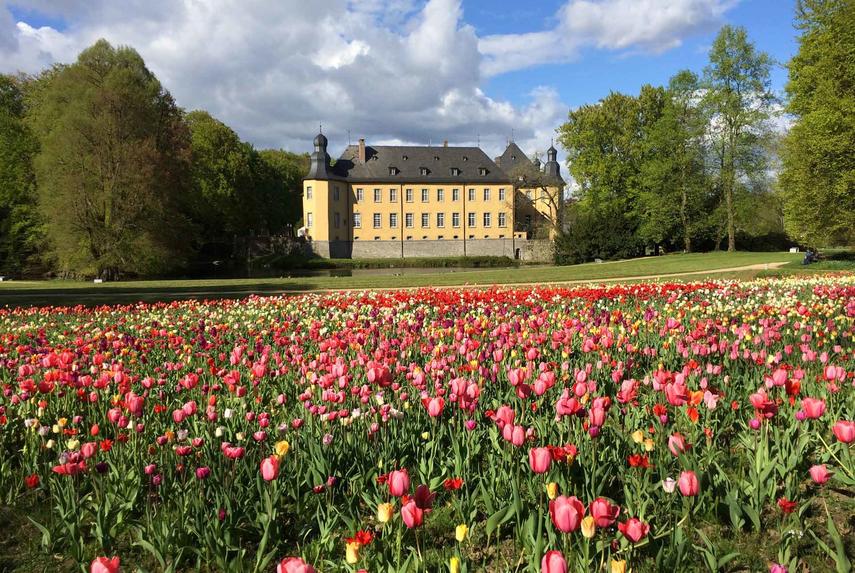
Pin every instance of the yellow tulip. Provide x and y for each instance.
(281, 448)
(425, 435)
(648, 445)
(618, 566)
(454, 565)
(384, 512)
(638, 436)
(460, 532)
(552, 490)
(352, 552)
(589, 527)
(72, 444)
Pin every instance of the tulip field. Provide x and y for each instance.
(705, 426)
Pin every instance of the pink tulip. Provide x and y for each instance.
(813, 407)
(688, 484)
(104, 565)
(844, 430)
(553, 562)
(294, 565)
(604, 512)
(518, 436)
(566, 513)
(412, 514)
(88, 450)
(270, 468)
(634, 529)
(399, 482)
(677, 444)
(178, 416)
(777, 568)
(819, 474)
(539, 459)
(435, 406)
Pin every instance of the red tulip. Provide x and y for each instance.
(294, 565)
(604, 512)
(813, 407)
(566, 513)
(677, 444)
(844, 431)
(399, 482)
(688, 484)
(539, 459)
(553, 562)
(634, 529)
(32, 481)
(270, 468)
(423, 497)
(104, 565)
(819, 474)
(412, 514)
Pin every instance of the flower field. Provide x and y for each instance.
(650, 427)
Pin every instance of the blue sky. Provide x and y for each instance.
(395, 71)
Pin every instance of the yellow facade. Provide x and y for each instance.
(537, 210)
(406, 212)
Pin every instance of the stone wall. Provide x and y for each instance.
(523, 249)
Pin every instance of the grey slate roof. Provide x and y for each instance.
(409, 161)
(512, 158)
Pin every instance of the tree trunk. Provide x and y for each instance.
(684, 201)
(728, 193)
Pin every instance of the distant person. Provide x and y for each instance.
(810, 257)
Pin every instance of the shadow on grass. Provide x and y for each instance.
(96, 296)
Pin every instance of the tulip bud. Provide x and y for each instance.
(589, 527)
(454, 565)
(460, 532)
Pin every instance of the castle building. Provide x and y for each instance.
(417, 201)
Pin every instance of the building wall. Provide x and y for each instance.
(540, 206)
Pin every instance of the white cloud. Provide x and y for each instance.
(647, 25)
(388, 70)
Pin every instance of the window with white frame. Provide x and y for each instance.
(471, 195)
(455, 220)
(408, 220)
(455, 194)
(486, 194)
(393, 195)
(440, 194)
(409, 195)
(310, 220)
(309, 192)
(471, 219)
(357, 220)
(503, 220)
(425, 195)
(393, 220)
(487, 219)
(425, 220)
(360, 194)
(378, 195)
(440, 220)
(501, 194)
(377, 220)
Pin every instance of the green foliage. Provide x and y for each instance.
(818, 176)
(20, 234)
(738, 100)
(112, 164)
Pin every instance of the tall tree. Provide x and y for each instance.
(672, 187)
(739, 99)
(112, 163)
(818, 176)
(286, 191)
(20, 237)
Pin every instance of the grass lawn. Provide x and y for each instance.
(20, 293)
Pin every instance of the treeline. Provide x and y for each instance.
(102, 174)
(697, 165)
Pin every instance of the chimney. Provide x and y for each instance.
(362, 150)
(445, 143)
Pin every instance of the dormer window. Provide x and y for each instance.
(465, 158)
(513, 157)
(393, 171)
(423, 170)
(455, 171)
(482, 171)
(436, 157)
(405, 157)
